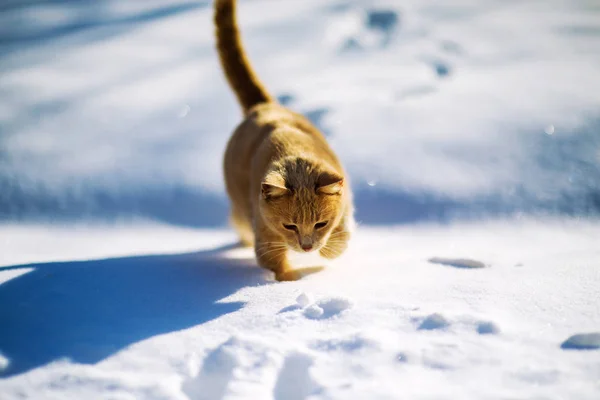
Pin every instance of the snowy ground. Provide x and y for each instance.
(469, 128)
(185, 322)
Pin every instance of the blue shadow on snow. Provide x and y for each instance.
(88, 310)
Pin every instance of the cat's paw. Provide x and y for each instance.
(296, 274)
(287, 276)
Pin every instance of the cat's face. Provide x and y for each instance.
(303, 217)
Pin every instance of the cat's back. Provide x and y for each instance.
(272, 126)
(268, 117)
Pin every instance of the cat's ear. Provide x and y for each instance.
(273, 186)
(271, 191)
(330, 183)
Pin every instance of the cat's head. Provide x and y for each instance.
(304, 208)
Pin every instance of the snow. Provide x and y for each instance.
(470, 132)
(304, 299)
(327, 307)
(382, 322)
(471, 89)
(313, 311)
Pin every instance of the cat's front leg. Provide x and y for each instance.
(272, 255)
(337, 242)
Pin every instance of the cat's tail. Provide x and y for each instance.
(242, 79)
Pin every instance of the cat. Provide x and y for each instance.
(287, 189)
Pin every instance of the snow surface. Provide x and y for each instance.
(469, 129)
(438, 109)
(170, 317)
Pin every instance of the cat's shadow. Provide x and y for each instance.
(88, 310)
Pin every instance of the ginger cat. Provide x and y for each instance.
(287, 188)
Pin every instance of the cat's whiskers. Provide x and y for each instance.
(269, 243)
(268, 247)
(344, 232)
(263, 254)
(336, 238)
(327, 251)
(272, 247)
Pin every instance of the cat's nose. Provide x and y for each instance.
(306, 243)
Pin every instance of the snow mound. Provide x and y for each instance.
(313, 312)
(328, 307)
(304, 299)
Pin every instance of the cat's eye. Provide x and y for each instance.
(320, 225)
(290, 227)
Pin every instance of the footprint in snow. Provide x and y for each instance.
(322, 309)
(582, 341)
(384, 21)
(238, 362)
(441, 68)
(347, 344)
(327, 308)
(434, 322)
(463, 263)
(371, 28)
(451, 47)
(295, 381)
(487, 328)
(402, 357)
(262, 370)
